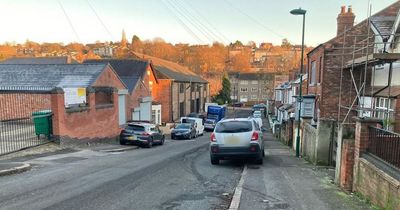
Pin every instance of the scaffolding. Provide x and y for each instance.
(359, 57)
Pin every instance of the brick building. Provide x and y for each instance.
(251, 88)
(179, 90)
(82, 97)
(40, 60)
(139, 77)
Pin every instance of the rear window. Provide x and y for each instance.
(135, 128)
(234, 127)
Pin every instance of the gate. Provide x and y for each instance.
(17, 124)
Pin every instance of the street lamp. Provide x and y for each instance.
(302, 12)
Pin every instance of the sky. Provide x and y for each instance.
(175, 21)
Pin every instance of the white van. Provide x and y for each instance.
(198, 124)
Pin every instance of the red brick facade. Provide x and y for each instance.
(347, 164)
(21, 105)
(162, 94)
(144, 88)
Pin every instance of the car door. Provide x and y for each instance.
(156, 134)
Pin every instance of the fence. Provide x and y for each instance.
(17, 128)
(385, 145)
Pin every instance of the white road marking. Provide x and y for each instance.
(238, 191)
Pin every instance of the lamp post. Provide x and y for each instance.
(302, 12)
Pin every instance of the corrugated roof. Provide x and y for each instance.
(38, 60)
(129, 70)
(171, 70)
(48, 76)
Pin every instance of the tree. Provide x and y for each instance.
(224, 95)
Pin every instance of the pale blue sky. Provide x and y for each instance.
(245, 20)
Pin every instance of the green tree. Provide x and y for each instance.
(224, 95)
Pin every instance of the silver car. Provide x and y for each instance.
(237, 138)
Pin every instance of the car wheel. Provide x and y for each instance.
(122, 142)
(214, 161)
(150, 143)
(162, 140)
(260, 161)
(263, 152)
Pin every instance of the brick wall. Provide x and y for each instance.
(21, 105)
(347, 164)
(85, 123)
(368, 179)
(162, 94)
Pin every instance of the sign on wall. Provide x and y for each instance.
(74, 96)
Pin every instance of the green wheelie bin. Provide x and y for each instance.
(43, 122)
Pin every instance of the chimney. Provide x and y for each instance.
(345, 20)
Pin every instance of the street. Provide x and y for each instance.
(177, 175)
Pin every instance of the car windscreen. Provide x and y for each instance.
(234, 127)
(135, 128)
(188, 121)
(183, 126)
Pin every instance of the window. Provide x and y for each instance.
(181, 88)
(198, 88)
(313, 73)
(234, 127)
(254, 89)
(381, 104)
(320, 70)
(254, 82)
(243, 90)
(244, 82)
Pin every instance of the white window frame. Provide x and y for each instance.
(244, 82)
(254, 82)
(244, 90)
(253, 89)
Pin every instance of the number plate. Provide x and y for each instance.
(132, 138)
(231, 140)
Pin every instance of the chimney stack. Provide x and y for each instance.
(345, 20)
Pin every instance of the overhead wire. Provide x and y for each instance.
(183, 24)
(69, 21)
(201, 25)
(221, 35)
(188, 20)
(254, 20)
(100, 20)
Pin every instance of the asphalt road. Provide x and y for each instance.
(177, 175)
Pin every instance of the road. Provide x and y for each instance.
(177, 175)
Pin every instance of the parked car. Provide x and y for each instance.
(141, 134)
(202, 116)
(237, 138)
(258, 120)
(238, 104)
(257, 114)
(197, 123)
(183, 131)
(209, 124)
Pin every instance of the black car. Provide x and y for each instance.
(141, 134)
(183, 131)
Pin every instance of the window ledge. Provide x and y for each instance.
(77, 109)
(104, 106)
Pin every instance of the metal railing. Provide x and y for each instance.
(385, 145)
(17, 123)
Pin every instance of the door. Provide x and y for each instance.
(121, 109)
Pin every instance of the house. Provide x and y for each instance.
(179, 90)
(140, 78)
(337, 88)
(40, 60)
(251, 88)
(83, 99)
